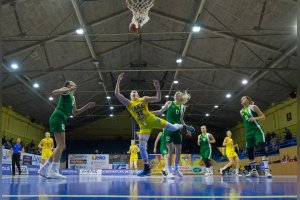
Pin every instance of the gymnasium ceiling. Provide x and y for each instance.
(239, 39)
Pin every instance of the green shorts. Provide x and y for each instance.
(254, 137)
(205, 153)
(163, 145)
(174, 137)
(57, 122)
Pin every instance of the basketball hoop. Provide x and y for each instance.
(140, 9)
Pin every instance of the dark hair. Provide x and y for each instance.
(67, 83)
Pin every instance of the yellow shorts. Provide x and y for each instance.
(46, 153)
(150, 123)
(231, 154)
(133, 158)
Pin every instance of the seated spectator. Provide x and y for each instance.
(3, 140)
(288, 135)
(268, 138)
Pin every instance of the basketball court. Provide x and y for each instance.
(154, 187)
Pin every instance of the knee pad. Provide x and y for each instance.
(143, 150)
(261, 148)
(250, 153)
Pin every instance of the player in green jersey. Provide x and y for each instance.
(163, 150)
(65, 107)
(175, 113)
(255, 137)
(204, 141)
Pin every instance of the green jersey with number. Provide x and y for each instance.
(66, 103)
(174, 113)
(247, 113)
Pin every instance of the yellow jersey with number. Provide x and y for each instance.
(230, 150)
(146, 120)
(47, 143)
(139, 110)
(133, 149)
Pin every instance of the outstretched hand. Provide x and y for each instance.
(120, 77)
(91, 104)
(156, 83)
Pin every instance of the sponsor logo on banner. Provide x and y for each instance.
(90, 171)
(27, 160)
(98, 157)
(119, 166)
(199, 170)
(69, 171)
(24, 170)
(115, 172)
(80, 162)
(33, 170)
(6, 169)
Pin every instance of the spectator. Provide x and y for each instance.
(268, 138)
(288, 135)
(3, 141)
(17, 149)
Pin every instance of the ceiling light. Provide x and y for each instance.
(196, 29)
(36, 85)
(14, 66)
(244, 82)
(79, 31)
(179, 60)
(228, 95)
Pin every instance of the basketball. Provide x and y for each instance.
(133, 29)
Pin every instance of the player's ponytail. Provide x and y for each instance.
(185, 97)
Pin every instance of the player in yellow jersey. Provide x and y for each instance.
(231, 154)
(47, 146)
(138, 108)
(133, 150)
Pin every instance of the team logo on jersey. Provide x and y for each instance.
(63, 127)
(168, 138)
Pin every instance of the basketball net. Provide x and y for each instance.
(140, 9)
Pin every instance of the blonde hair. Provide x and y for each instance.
(185, 97)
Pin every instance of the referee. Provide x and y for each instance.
(17, 150)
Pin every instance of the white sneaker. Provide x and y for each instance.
(268, 173)
(44, 172)
(170, 176)
(56, 175)
(178, 173)
(252, 173)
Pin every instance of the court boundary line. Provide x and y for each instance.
(150, 197)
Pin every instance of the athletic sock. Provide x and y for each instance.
(55, 167)
(253, 165)
(266, 162)
(176, 166)
(47, 165)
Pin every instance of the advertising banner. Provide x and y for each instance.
(88, 161)
(90, 171)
